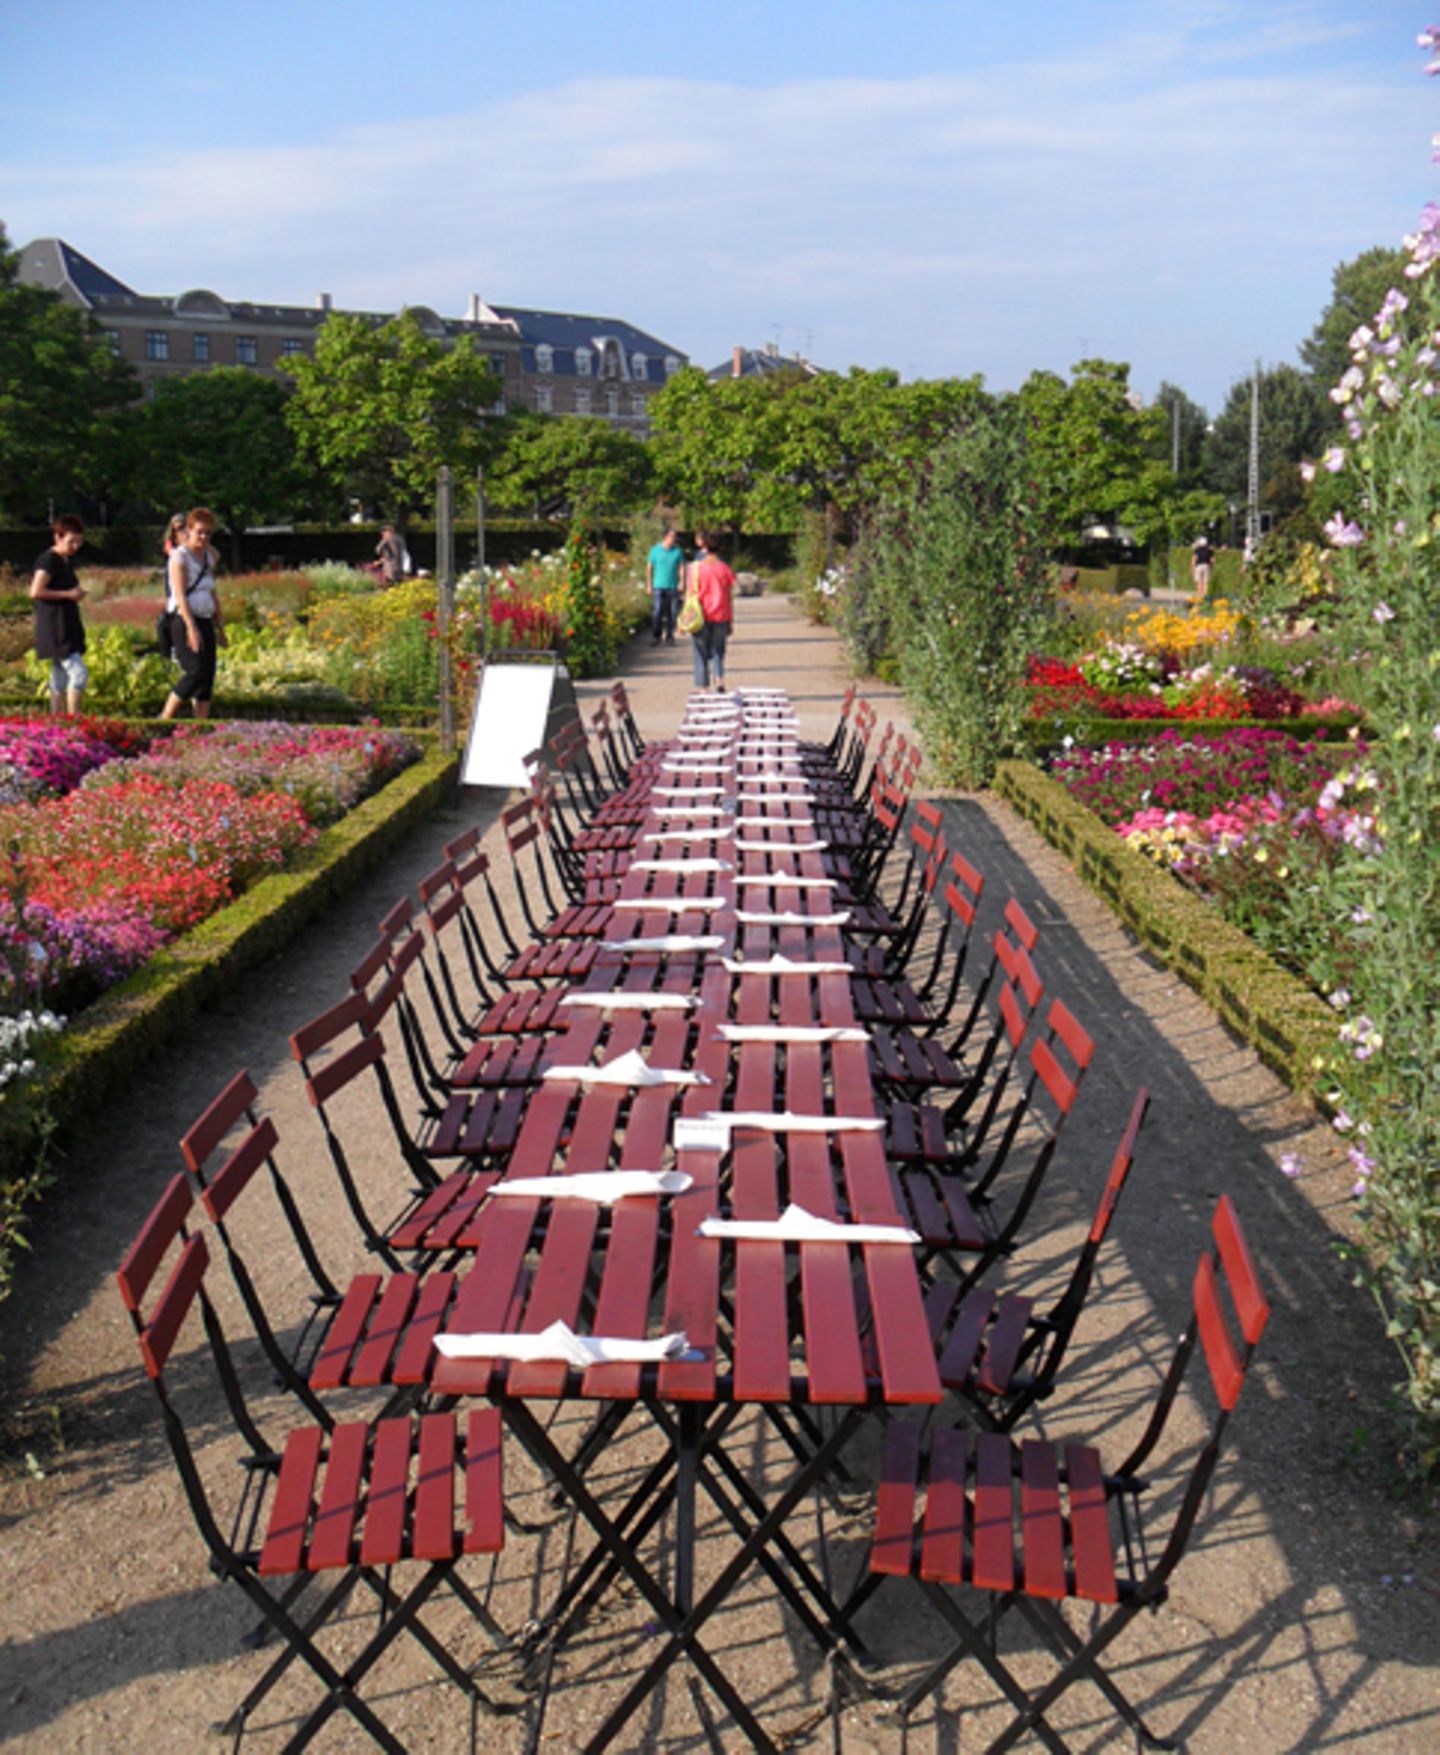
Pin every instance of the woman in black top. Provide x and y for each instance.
(56, 592)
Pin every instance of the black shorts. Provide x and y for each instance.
(196, 681)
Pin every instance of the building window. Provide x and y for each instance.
(157, 344)
(245, 352)
(582, 402)
(290, 347)
(612, 402)
(112, 340)
(672, 364)
(637, 405)
(497, 364)
(544, 398)
(582, 362)
(639, 366)
(544, 358)
(200, 349)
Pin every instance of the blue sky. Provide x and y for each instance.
(943, 186)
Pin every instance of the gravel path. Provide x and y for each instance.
(1306, 1616)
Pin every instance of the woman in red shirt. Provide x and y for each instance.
(713, 584)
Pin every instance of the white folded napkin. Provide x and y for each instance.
(751, 800)
(560, 1342)
(787, 918)
(679, 865)
(668, 941)
(630, 1068)
(795, 1225)
(781, 846)
(717, 832)
(793, 1033)
(777, 820)
(780, 880)
(687, 810)
(779, 965)
(695, 764)
(688, 791)
(670, 904)
(782, 1121)
(603, 1187)
(616, 999)
(768, 777)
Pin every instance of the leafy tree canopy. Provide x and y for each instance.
(378, 408)
(61, 394)
(1296, 420)
(220, 438)
(1358, 288)
(1096, 455)
(757, 452)
(565, 463)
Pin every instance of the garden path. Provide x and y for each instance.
(1305, 1617)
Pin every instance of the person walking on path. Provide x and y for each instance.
(1202, 558)
(712, 584)
(191, 600)
(56, 592)
(391, 552)
(663, 568)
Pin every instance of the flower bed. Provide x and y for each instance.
(1256, 821)
(119, 854)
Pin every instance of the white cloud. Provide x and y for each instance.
(1146, 195)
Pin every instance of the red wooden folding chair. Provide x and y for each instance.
(348, 1502)
(984, 1522)
(999, 1352)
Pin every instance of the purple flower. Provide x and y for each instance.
(1343, 533)
(1382, 613)
(1334, 459)
(1291, 1164)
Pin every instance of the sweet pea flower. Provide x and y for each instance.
(1429, 38)
(1334, 459)
(1340, 998)
(1307, 471)
(1291, 1164)
(1343, 1122)
(1382, 613)
(1343, 533)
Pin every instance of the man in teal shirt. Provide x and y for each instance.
(663, 568)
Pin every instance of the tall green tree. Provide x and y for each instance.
(714, 443)
(220, 438)
(378, 408)
(62, 393)
(1357, 290)
(1297, 420)
(1183, 419)
(569, 463)
(1095, 454)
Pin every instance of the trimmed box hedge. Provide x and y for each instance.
(1287, 1025)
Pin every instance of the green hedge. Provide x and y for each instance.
(1044, 735)
(1287, 1025)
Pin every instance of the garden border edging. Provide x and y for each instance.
(1288, 1026)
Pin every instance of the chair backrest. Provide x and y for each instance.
(223, 1178)
(1229, 1314)
(159, 1322)
(472, 874)
(352, 1049)
(523, 824)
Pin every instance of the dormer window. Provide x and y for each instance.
(672, 364)
(544, 358)
(582, 362)
(638, 365)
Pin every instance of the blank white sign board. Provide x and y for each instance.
(517, 708)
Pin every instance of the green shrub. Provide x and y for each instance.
(964, 584)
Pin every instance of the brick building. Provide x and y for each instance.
(552, 361)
